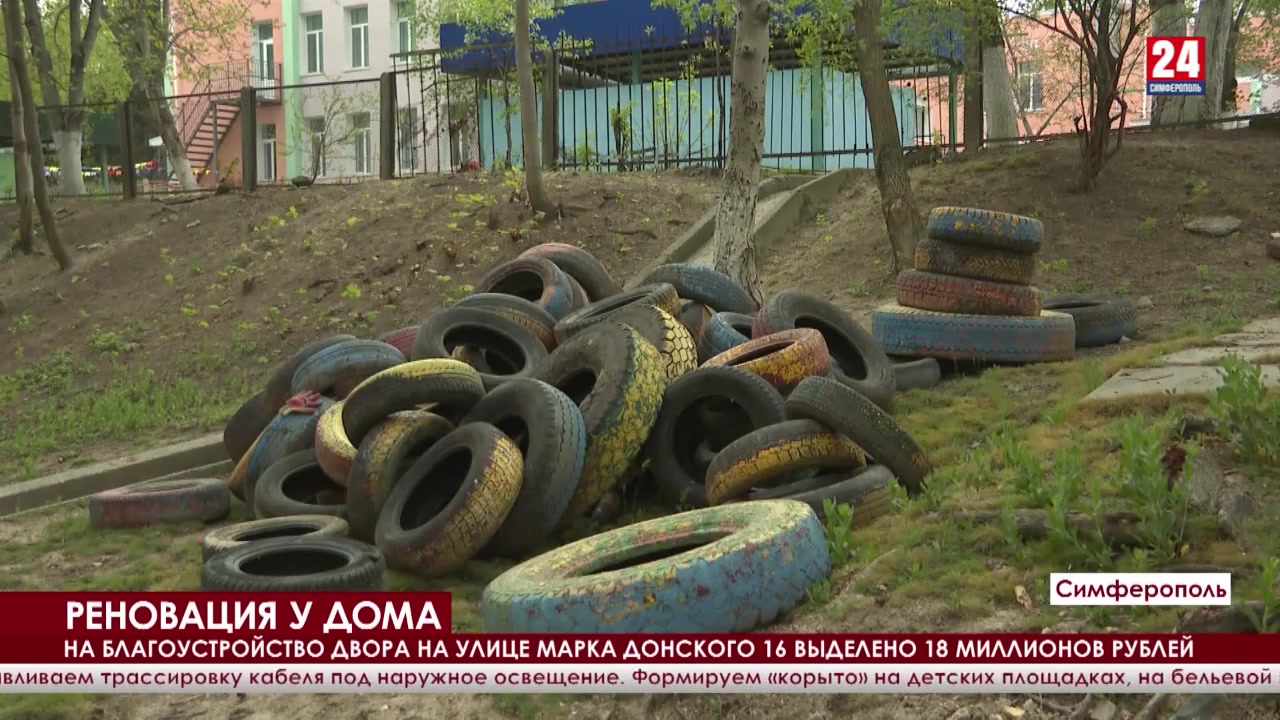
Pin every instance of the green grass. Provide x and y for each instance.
(47, 707)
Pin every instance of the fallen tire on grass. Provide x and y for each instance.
(615, 377)
(974, 261)
(865, 491)
(450, 504)
(551, 435)
(451, 387)
(732, 568)
(966, 296)
(297, 485)
(702, 284)
(678, 446)
(917, 374)
(667, 336)
(1099, 319)
(278, 390)
(526, 313)
(233, 536)
(509, 350)
(847, 412)
(334, 370)
(762, 458)
(856, 359)
(580, 265)
(922, 333)
(387, 452)
(986, 228)
(245, 425)
(783, 359)
(659, 295)
(334, 451)
(293, 564)
(153, 502)
(536, 280)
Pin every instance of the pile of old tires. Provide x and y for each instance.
(970, 295)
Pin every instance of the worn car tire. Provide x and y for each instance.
(294, 564)
(966, 296)
(917, 374)
(401, 339)
(666, 334)
(923, 333)
(451, 387)
(529, 314)
(580, 265)
(278, 390)
(847, 412)
(696, 318)
(740, 402)
(745, 565)
(974, 261)
(659, 295)
(297, 485)
(334, 451)
(233, 536)
(615, 377)
(343, 366)
(702, 284)
(548, 428)
(987, 228)
(865, 490)
(153, 502)
(292, 430)
(382, 459)
(763, 457)
(509, 349)
(535, 279)
(1099, 319)
(245, 425)
(450, 504)
(721, 335)
(782, 358)
(856, 359)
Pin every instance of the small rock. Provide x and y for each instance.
(1125, 339)
(1145, 302)
(1213, 226)
(1104, 710)
(969, 712)
(1014, 712)
(386, 267)
(1193, 425)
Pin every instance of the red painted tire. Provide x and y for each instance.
(966, 296)
(152, 502)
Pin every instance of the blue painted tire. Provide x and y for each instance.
(722, 333)
(748, 563)
(293, 430)
(990, 338)
(702, 284)
(345, 364)
(987, 228)
(1100, 319)
(538, 281)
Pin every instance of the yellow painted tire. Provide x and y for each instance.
(236, 481)
(616, 378)
(660, 295)
(334, 451)
(451, 502)
(382, 459)
(451, 388)
(782, 358)
(772, 454)
(664, 332)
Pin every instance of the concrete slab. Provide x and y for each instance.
(182, 457)
(1269, 325)
(1171, 380)
(1215, 355)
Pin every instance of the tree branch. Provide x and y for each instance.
(40, 52)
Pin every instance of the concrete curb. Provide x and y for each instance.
(197, 456)
(802, 201)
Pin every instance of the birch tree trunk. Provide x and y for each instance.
(736, 214)
(997, 92)
(538, 197)
(897, 202)
(21, 161)
(174, 148)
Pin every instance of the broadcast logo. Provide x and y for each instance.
(1175, 66)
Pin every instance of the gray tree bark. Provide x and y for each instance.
(997, 92)
(21, 164)
(538, 197)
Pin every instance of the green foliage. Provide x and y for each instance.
(838, 529)
(106, 76)
(1250, 412)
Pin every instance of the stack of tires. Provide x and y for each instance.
(970, 296)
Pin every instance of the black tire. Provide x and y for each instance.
(449, 505)
(509, 349)
(387, 452)
(695, 317)
(917, 374)
(857, 361)
(536, 280)
(704, 285)
(278, 388)
(297, 485)
(1100, 319)
(739, 400)
(153, 502)
(549, 430)
(664, 332)
(974, 261)
(772, 455)
(292, 564)
(233, 536)
(660, 295)
(867, 491)
(580, 265)
(450, 386)
(724, 331)
(847, 412)
(615, 377)
(529, 314)
(246, 425)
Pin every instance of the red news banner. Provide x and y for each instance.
(401, 642)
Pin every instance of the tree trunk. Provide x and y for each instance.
(896, 200)
(973, 125)
(1214, 22)
(997, 92)
(1229, 82)
(18, 65)
(68, 139)
(21, 160)
(1168, 19)
(529, 114)
(173, 147)
(736, 214)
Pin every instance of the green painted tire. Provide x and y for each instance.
(746, 564)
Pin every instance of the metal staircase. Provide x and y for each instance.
(208, 113)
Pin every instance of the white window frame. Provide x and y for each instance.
(404, 26)
(267, 152)
(1034, 81)
(317, 137)
(362, 143)
(358, 38)
(315, 44)
(406, 137)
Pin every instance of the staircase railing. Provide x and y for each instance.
(195, 107)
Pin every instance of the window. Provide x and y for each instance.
(316, 129)
(1030, 92)
(267, 152)
(404, 25)
(359, 21)
(407, 125)
(363, 141)
(315, 44)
